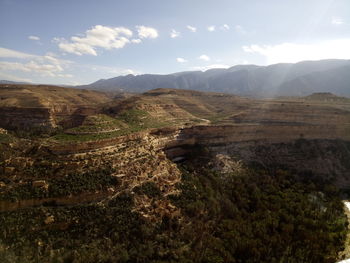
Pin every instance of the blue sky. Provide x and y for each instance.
(81, 41)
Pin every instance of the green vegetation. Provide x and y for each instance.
(134, 117)
(22, 192)
(139, 120)
(63, 137)
(88, 233)
(78, 183)
(217, 118)
(254, 216)
(149, 188)
(6, 138)
(71, 184)
(261, 217)
(96, 124)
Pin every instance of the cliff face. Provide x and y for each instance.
(262, 132)
(26, 118)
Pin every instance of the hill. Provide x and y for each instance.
(47, 96)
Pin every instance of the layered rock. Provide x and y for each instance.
(26, 118)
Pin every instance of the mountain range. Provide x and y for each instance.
(285, 79)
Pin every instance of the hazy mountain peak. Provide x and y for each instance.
(283, 79)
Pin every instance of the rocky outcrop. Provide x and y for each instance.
(134, 160)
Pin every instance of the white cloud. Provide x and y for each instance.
(9, 53)
(146, 32)
(204, 57)
(118, 71)
(65, 75)
(225, 27)
(240, 30)
(337, 21)
(191, 28)
(49, 68)
(213, 66)
(110, 72)
(35, 38)
(77, 48)
(174, 33)
(96, 37)
(32, 66)
(294, 52)
(74, 83)
(47, 65)
(10, 77)
(211, 28)
(181, 60)
(57, 40)
(136, 41)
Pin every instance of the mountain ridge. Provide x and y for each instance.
(246, 80)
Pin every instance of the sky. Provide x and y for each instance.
(77, 42)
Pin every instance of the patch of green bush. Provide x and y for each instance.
(6, 138)
(71, 184)
(149, 188)
(252, 216)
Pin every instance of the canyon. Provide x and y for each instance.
(303, 135)
(92, 149)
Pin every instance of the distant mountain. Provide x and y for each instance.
(13, 82)
(285, 79)
(336, 80)
(326, 97)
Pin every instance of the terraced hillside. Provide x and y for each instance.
(45, 107)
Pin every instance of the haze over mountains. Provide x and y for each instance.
(285, 79)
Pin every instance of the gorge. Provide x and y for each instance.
(162, 161)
